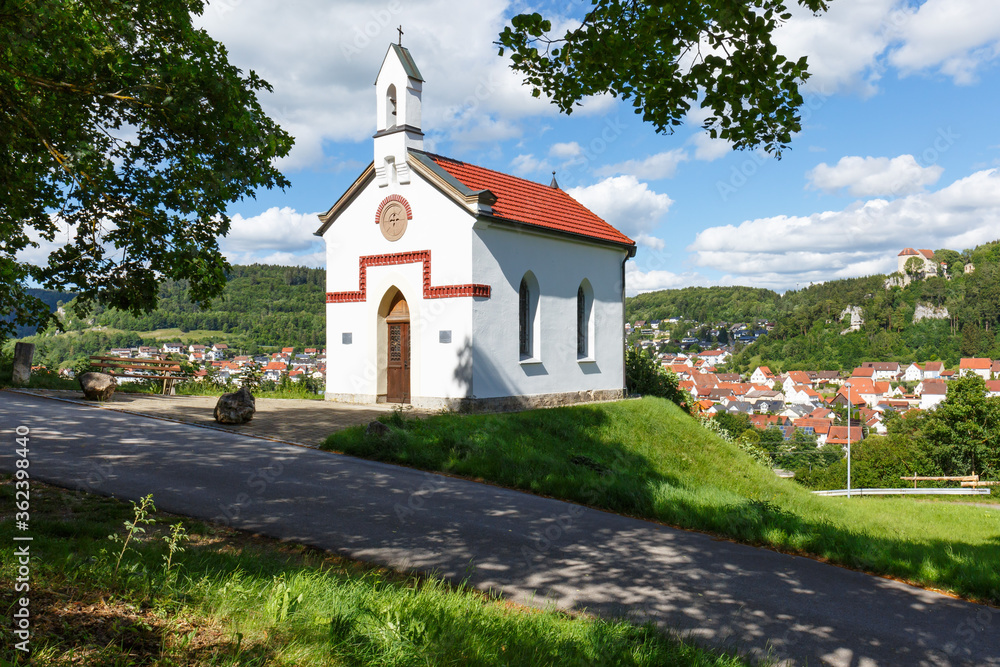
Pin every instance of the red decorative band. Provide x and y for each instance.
(390, 198)
(430, 291)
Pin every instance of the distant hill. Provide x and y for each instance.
(261, 306)
(51, 299)
(705, 304)
(958, 317)
(266, 304)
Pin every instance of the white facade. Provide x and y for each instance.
(460, 270)
(760, 377)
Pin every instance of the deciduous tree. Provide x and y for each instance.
(129, 126)
(666, 56)
(964, 429)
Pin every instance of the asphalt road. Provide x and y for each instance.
(535, 550)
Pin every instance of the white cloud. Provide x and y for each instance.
(708, 149)
(625, 203)
(956, 36)
(842, 44)
(566, 150)
(654, 167)
(874, 176)
(850, 46)
(527, 164)
(322, 58)
(649, 241)
(637, 281)
(276, 236)
(39, 256)
(862, 239)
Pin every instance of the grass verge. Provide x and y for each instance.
(229, 598)
(648, 459)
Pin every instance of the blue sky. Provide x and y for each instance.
(900, 143)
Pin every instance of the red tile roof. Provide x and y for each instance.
(838, 435)
(977, 364)
(532, 203)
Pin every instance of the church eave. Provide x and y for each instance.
(357, 186)
(630, 248)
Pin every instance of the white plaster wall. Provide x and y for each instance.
(502, 254)
(439, 225)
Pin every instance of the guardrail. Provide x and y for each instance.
(906, 492)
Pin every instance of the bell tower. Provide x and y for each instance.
(397, 92)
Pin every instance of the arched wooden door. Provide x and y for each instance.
(398, 358)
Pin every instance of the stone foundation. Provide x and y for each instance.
(498, 404)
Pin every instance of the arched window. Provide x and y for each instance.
(524, 324)
(527, 317)
(584, 321)
(390, 107)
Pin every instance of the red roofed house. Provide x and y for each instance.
(763, 375)
(515, 290)
(821, 427)
(795, 378)
(981, 367)
(838, 435)
(926, 257)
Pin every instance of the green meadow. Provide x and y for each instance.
(648, 459)
(226, 598)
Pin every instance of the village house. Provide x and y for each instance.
(817, 427)
(981, 367)
(452, 285)
(916, 372)
(840, 435)
(932, 392)
(763, 375)
(888, 370)
(924, 256)
(793, 378)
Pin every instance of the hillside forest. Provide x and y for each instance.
(809, 324)
(262, 306)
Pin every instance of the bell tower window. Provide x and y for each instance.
(390, 107)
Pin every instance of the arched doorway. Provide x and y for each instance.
(397, 368)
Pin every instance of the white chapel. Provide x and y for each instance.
(450, 285)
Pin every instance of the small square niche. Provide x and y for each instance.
(347, 338)
(444, 336)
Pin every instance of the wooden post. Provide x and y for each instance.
(23, 355)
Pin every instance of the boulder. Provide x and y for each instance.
(377, 429)
(235, 408)
(97, 386)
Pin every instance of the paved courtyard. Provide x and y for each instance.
(299, 421)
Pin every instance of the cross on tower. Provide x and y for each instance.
(400, 31)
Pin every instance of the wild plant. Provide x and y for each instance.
(177, 535)
(141, 512)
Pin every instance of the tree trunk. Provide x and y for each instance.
(23, 354)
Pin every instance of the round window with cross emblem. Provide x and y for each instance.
(392, 222)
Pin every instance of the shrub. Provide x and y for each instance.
(643, 375)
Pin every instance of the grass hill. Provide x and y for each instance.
(649, 459)
(261, 306)
(809, 322)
